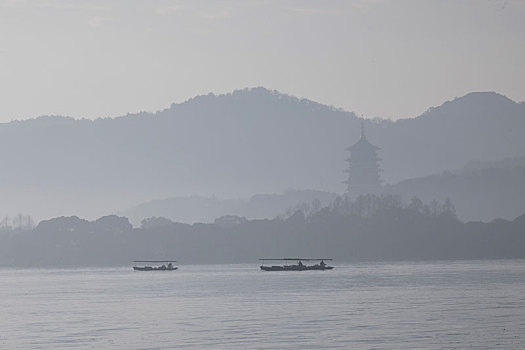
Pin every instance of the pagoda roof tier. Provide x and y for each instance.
(362, 145)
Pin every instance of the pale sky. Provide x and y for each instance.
(379, 58)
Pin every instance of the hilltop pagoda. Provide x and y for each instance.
(363, 172)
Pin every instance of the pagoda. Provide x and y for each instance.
(363, 172)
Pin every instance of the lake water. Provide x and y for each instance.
(437, 305)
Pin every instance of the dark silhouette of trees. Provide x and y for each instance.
(154, 222)
(368, 228)
(371, 206)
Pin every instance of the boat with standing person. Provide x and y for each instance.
(145, 265)
(299, 266)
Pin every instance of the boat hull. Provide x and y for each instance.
(296, 268)
(150, 268)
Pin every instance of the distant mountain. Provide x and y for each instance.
(195, 209)
(232, 146)
(481, 191)
(507, 163)
(479, 126)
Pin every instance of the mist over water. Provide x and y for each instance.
(477, 304)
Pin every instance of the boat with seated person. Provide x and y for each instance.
(299, 266)
(144, 265)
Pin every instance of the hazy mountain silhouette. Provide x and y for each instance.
(480, 191)
(479, 126)
(206, 209)
(235, 145)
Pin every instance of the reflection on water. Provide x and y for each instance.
(478, 304)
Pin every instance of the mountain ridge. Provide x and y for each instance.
(471, 97)
(235, 145)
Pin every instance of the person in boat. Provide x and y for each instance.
(300, 263)
(170, 265)
(322, 264)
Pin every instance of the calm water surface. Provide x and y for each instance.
(438, 305)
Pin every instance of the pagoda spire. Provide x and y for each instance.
(363, 127)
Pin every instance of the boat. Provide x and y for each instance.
(143, 265)
(299, 266)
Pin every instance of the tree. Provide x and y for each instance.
(416, 205)
(5, 224)
(448, 210)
